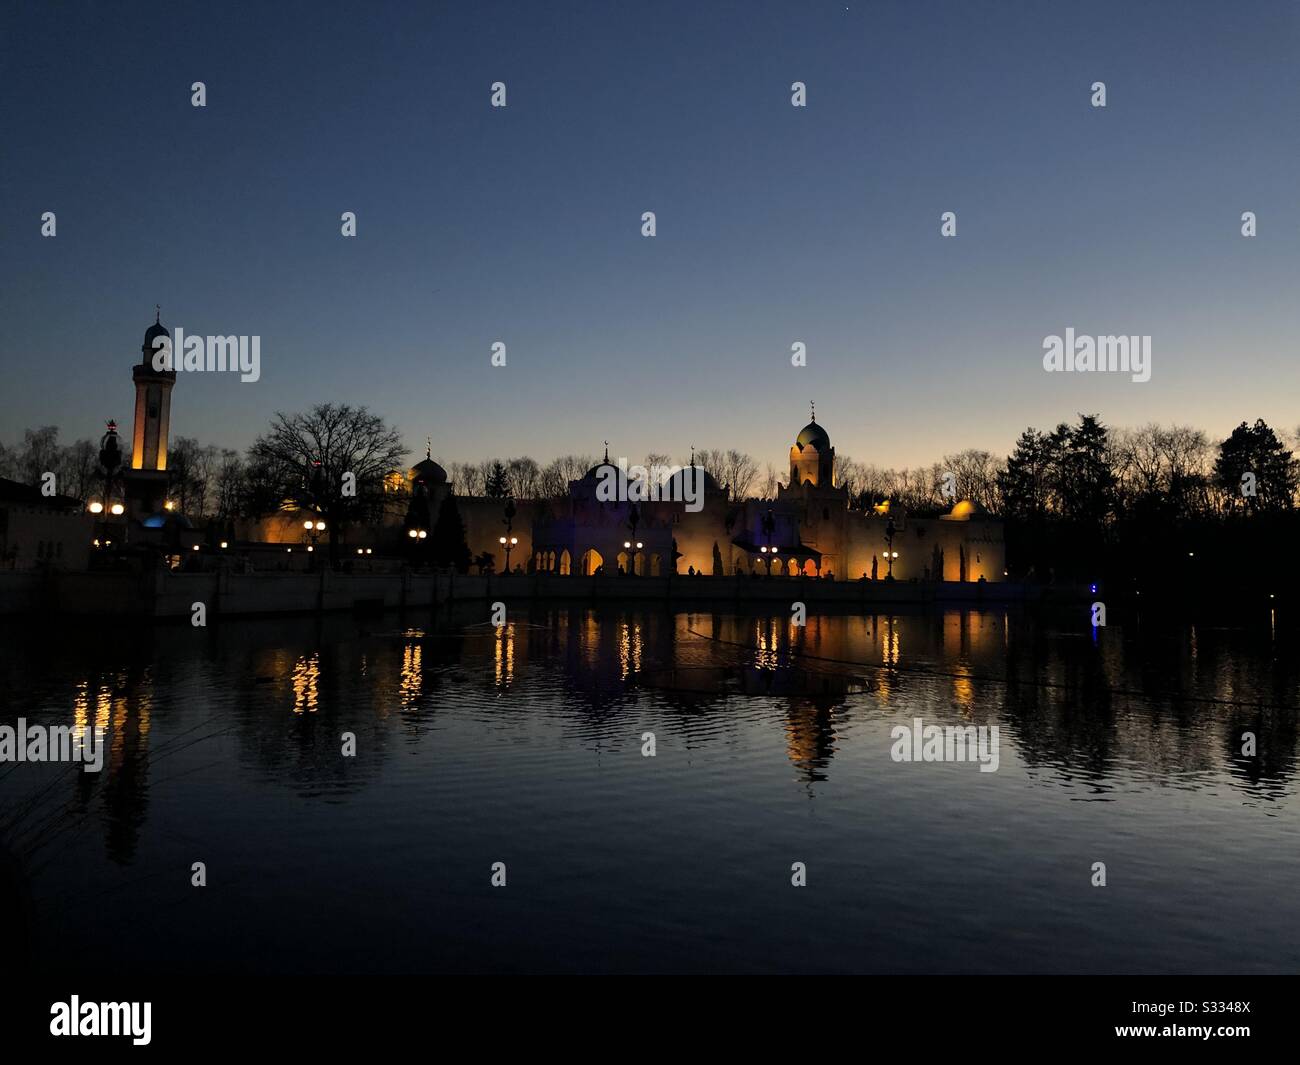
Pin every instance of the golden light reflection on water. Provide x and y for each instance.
(767, 635)
(504, 655)
(103, 707)
(411, 680)
(963, 691)
(629, 648)
(589, 640)
(306, 681)
(80, 709)
(891, 652)
(109, 711)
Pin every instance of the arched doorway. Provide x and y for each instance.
(810, 568)
(591, 561)
(565, 563)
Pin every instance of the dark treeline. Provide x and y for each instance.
(1153, 508)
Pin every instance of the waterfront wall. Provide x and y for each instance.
(167, 594)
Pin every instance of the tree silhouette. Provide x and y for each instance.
(1256, 450)
(498, 482)
(304, 461)
(1024, 483)
(448, 546)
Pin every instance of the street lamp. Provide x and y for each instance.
(890, 553)
(509, 545)
(418, 536)
(314, 529)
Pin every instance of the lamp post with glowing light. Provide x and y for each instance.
(508, 541)
(628, 545)
(313, 528)
(633, 520)
(768, 525)
(890, 553)
(103, 504)
(417, 537)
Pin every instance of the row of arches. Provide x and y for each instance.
(551, 562)
(784, 567)
(641, 563)
(647, 564)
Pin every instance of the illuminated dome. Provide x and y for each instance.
(964, 511)
(813, 434)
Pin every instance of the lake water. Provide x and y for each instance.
(524, 746)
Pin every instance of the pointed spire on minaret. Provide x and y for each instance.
(692, 454)
(428, 447)
(813, 406)
(157, 316)
(606, 450)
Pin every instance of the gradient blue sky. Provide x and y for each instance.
(775, 224)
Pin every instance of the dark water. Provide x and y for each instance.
(773, 747)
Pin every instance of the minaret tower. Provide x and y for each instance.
(146, 480)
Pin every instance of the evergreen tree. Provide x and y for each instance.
(449, 547)
(1083, 481)
(1256, 450)
(1023, 482)
(498, 483)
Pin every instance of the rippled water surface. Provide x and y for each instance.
(524, 746)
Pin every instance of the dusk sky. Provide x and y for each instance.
(776, 224)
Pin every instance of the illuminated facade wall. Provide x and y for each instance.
(810, 523)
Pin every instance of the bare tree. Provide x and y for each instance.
(525, 477)
(331, 460)
(975, 472)
(79, 474)
(741, 472)
(228, 484)
(735, 470)
(1168, 468)
(467, 478)
(191, 468)
(486, 469)
(552, 481)
(38, 454)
